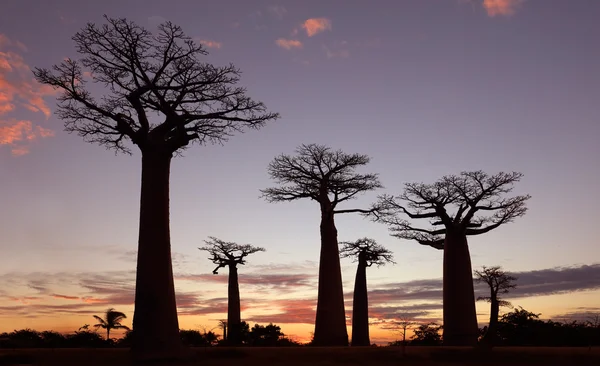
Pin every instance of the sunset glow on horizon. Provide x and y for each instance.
(425, 88)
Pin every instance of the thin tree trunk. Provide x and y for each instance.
(330, 323)
(360, 306)
(155, 324)
(460, 319)
(107, 334)
(491, 336)
(233, 308)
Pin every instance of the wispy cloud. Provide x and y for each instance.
(278, 11)
(288, 44)
(19, 90)
(501, 7)
(210, 44)
(314, 26)
(338, 53)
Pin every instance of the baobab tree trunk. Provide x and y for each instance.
(330, 323)
(360, 306)
(234, 319)
(491, 335)
(460, 318)
(155, 324)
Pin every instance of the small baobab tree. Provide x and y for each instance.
(328, 177)
(479, 207)
(366, 252)
(499, 282)
(112, 320)
(230, 255)
(161, 97)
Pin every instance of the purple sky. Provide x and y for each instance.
(426, 88)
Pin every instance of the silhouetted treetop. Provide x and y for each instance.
(319, 173)
(498, 281)
(149, 74)
(372, 252)
(225, 253)
(471, 203)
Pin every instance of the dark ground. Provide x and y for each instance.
(422, 356)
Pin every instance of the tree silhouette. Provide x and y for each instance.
(427, 335)
(229, 254)
(223, 325)
(330, 178)
(367, 252)
(499, 282)
(112, 320)
(160, 97)
(480, 207)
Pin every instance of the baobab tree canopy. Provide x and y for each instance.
(147, 74)
(224, 253)
(318, 172)
(370, 251)
(471, 203)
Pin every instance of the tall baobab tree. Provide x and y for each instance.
(328, 177)
(479, 207)
(112, 320)
(230, 255)
(367, 252)
(159, 96)
(499, 282)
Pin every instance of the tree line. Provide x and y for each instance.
(146, 74)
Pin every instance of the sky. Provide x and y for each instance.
(424, 87)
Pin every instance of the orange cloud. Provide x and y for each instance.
(501, 7)
(288, 44)
(65, 297)
(315, 26)
(210, 44)
(19, 90)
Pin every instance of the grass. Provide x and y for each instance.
(221, 356)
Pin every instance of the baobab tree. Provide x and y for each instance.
(230, 255)
(328, 177)
(366, 252)
(499, 282)
(479, 207)
(112, 320)
(159, 96)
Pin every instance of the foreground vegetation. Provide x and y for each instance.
(223, 356)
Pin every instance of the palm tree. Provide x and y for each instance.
(112, 320)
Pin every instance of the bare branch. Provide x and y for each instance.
(366, 250)
(150, 73)
(225, 253)
(467, 193)
(319, 173)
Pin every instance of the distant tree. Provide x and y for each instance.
(112, 320)
(223, 325)
(480, 207)
(328, 177)
(499, 282)
(265, 336)
(367, 252)
(401, 325)
(230, 255)
(147, 75)
(427, 335)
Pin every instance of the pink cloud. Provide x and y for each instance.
(210, 44)
(288, 44)
(18, 91)
(315, 26)
(501, 7)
